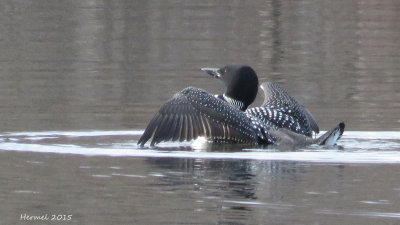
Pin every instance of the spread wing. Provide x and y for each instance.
(192, 113)
(280, 110)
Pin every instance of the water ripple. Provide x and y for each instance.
(361, 213)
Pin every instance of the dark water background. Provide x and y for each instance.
(109, 65)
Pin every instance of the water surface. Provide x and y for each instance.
(103, 177)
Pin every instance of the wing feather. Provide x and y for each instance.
(174, 126)
(178, 129)
(206, 126)
(184, 128)
(197, 130)
(189, 128)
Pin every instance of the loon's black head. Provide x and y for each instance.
(241, 82)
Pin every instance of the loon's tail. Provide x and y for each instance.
(331, 136)
(287, 139)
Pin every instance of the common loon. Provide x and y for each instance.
(193, 112)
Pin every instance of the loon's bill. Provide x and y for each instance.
(226, 118)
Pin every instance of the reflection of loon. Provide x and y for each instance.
(225, 118)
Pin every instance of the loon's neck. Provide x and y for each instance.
(234, 102)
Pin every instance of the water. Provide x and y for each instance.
(80, 81)
(103, 177)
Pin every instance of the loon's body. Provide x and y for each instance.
(193, 112)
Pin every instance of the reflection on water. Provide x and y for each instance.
(108, 66)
